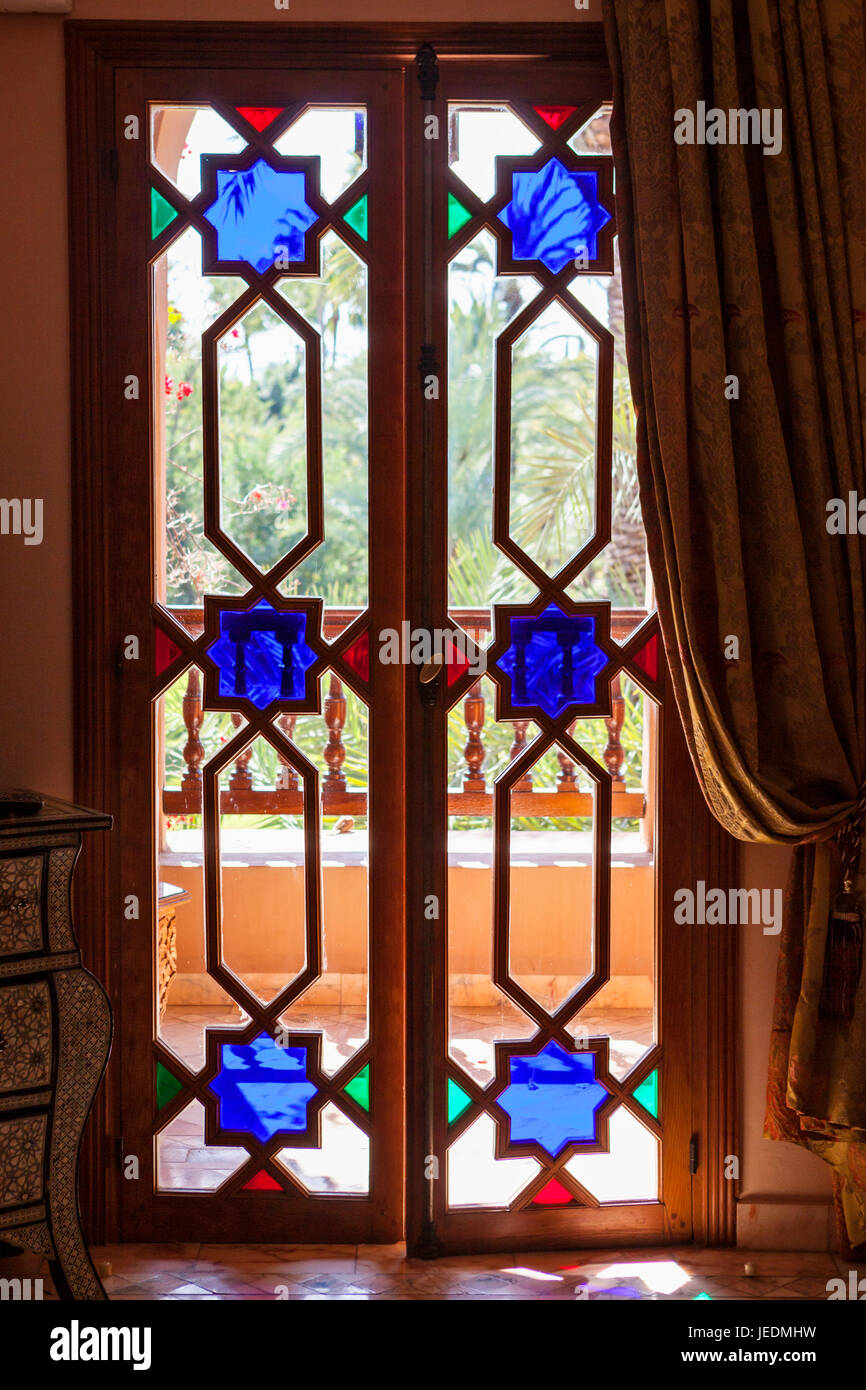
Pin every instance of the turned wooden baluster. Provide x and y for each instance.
(520, 726)
(474, 753)
(287, 777)
(614, 753)
(241, 779)
(566, 782)
(334, 750)
(193, 753)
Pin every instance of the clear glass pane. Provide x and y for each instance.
(554, 377)
(629, 1172)
(180, 135)
(480, 305)
(341, 1166)
(477, 134)
(336, 306)
(338, 135)
(184, 1163)
(185, 302)
(476, 1178)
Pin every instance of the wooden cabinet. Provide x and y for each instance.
(55, 1036)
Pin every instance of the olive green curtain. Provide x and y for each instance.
(744, 282)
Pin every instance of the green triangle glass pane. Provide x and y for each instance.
(458, 1101)
(648, 1094)
(357, 217)
(167, 1086)
(359, 1088)
(162, 214)
(458, 215)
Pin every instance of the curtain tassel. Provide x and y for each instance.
(843, 953)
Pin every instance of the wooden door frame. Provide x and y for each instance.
(95, 50)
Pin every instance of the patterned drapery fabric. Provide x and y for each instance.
(744, 281)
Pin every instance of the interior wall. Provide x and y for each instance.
(36, 605)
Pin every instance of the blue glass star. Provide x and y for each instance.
(553, 660)
(553, 1097)
(554, 215)
(261, 655)
(263, 1088)
(259, 214)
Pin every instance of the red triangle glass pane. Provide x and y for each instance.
(165, 651)
(259, 116)
(648, 657)
(553, 1195)
(262, 1182)
(555, 115)
(358, 656)
(456, 662)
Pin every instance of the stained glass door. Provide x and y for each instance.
(392, 949)
(545, 1104)
(256, 243)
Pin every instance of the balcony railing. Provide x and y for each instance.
(475, 797)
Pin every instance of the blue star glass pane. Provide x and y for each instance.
(261, 655)
(553, 1097)
(553, 660)
(260, 214)
(263, 1088)
(554, 215)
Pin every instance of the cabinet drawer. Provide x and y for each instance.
(25, 1036)
(21, 904)
(22, 1154)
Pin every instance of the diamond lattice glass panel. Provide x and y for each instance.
(184, 1163)
(185, 302)
(263, 435)
(480, 305)
(263, 1088)
(648, 1094)
(458, 215)
(359, 1088)
(553, 1097)
(624, 1008)
(262, 872)
(554, 215)
(162, 214)
(554, 407)
(551, 861)
(336, 306)
(336, 744)
(260, 215)
(180, 135)
(341, 1166)
(477, 134)
(259, 117)
(458, 1101)
(555, 116)
(629, 1172)
(552, 660)
(476, 1178)
(338, 135)
(357, 217)
(553, 1194)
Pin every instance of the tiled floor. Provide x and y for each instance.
(373, 1272)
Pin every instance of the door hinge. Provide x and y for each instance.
(693, 1154)
(112, 165)
(428, 71)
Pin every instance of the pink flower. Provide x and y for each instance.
(169, 386)
(184, 390)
